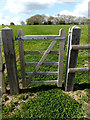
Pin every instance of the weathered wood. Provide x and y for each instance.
(3, 84)
(44, 82)
(0, 64)
(40, 82)
(21, 54)
(74, 39)
(68, 55)
(42, 73)
(73, 70)
(40, 52)
(42, 59)
(2, 80)
(61, 56)
(10, 59)
(41, 37)
(44, 63)
(80, 47)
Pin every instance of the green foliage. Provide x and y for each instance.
(5, 98)
(35, 20)
(51, 104)
(12, 23)
(7, 109)
(22, 96)
(58, 19)
(62, 22)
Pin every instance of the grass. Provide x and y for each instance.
(47, 101)
(45, 107)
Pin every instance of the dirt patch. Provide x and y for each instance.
(16, 101)
(86, 63)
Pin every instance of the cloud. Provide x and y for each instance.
(27, 6)
(81, 9)
(6, 19)
(30, 6)
(89, 10)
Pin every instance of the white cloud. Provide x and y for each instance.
(6, 19)
(65, 12)
(81, 9)
(29, 6)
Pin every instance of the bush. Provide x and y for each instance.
(12, 23)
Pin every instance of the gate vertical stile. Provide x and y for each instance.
(21, 54)
(61, 56)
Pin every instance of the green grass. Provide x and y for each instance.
(0, 27)
(49, 102)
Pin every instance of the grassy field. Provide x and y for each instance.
(48, 101)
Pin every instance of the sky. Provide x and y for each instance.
(20, 10)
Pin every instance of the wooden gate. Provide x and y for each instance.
(54, 38)
(72, 54)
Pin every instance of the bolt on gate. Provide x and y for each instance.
(54, 38)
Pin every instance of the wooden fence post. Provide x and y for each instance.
(61, 56)
(2, 80)
(73, 39)
(10, 59)
(21, 54)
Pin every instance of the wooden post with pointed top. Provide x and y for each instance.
(10, 59)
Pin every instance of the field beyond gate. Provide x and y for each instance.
(52, 99)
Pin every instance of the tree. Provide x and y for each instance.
(12, 23)
(50, 20)
(62, 22)
(57, 19)
(22, 23)
(35, 20)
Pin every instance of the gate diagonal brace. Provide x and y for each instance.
(42, 59)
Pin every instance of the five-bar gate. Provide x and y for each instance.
(54, 38)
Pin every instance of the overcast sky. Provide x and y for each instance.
(18, 10)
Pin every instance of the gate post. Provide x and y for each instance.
(10, 59)
(73, 39)
(2, 80)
